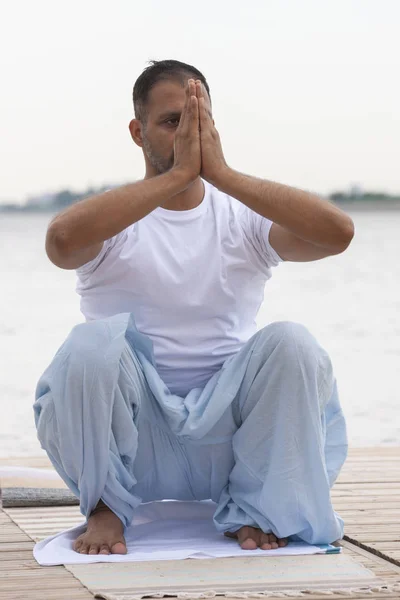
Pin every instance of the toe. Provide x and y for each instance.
(104, 549)
(83, 549)
(119, 548)
(248, 544)
(93, 549)
(283, 542)
(248, 538)
(273, 541)
(264, 542)
(77, 545)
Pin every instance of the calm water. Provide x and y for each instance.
(350, 302)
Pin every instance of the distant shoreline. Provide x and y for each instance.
(365, 205)
(355, 205)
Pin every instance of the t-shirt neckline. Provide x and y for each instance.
(184, 215)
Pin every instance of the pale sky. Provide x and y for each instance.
(305, 92)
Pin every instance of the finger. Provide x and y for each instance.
(204, 123)
(205, 117)
(194, 114)
(199, 89)
(191, 91)
(186, 116)
(186, 108)
(192, 87)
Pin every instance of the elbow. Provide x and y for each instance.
(58, 244)
(345, 235)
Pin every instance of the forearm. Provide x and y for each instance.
(98, 218)
(302, 213)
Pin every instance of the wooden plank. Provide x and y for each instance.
(387, 545)
(366, 495)
(352, 502)
(371, 485)
(56, 594)
(47, 511)
(15, 546)
(371, 521)
(373, 512)
(12, 565)
(20, 575)
(16, 555)
(367, 482)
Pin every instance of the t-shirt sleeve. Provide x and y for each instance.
(87, 269)
(256, 230)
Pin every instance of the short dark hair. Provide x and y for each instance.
(161, 70)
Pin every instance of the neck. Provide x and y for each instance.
(186, 200)
(190, 198)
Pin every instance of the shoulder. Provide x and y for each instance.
(110, 251)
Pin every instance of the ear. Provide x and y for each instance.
(135, 128)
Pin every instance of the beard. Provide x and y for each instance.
(161, 164)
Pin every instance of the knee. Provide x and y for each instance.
(286, 333)
(289, 339)
(297, 348)
(81, 356)
(86, 344)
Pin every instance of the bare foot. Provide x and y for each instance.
(103, 535)
(251, 538)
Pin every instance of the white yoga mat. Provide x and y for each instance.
(165, 530)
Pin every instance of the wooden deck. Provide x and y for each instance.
(366, 495)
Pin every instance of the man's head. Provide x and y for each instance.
(158, 100)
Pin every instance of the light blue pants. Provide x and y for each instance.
(265, 438)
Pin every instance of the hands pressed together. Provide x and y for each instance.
(197, 146)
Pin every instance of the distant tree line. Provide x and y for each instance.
(66, 197)
(364, 196)
(62, 199)
(54, 202)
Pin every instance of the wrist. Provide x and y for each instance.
(178, 179)
(181, 178)
(221, 178)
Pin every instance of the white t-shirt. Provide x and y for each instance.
(193, 279)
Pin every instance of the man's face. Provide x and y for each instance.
(164, 108)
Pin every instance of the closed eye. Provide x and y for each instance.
(172, 122)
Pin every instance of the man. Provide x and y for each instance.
(168, 390)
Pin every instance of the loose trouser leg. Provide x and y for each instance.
(103, 429)
(286, 407)
(85, 412)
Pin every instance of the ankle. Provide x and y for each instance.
(102, 516)
(100, 508)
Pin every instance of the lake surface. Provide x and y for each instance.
(350, 302)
